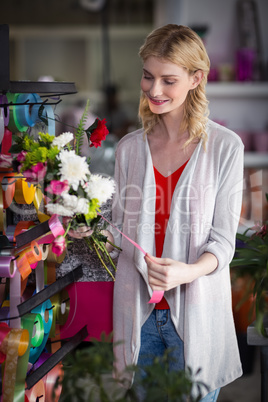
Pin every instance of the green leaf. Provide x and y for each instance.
(243, 237)
(78, 135)
(15, 149)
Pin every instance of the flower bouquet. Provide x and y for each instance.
(251, 261)
(70, 190)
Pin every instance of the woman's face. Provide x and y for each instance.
(166, 85)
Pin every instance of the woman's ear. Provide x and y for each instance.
(197, 78)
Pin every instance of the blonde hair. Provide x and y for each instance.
(180, 45)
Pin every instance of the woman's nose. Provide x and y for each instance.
(155, 89)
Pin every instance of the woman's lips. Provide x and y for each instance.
(157, 102)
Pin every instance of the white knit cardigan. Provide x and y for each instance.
(204, 216)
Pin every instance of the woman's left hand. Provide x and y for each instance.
(80, 232)
(166, 274)
(110, 237)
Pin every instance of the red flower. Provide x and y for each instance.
(99, 134)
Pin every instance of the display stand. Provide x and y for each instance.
(50, 92)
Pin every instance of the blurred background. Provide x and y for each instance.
(95, 44)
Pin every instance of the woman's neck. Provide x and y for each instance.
(169, 130)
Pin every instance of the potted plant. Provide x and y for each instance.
(251, 263)
(88, 377)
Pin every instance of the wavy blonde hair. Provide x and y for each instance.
(180, 45)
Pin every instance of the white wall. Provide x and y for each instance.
(219, 16)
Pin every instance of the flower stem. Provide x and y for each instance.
(96, 244)
(101, 260)
(112, 244)
(104, 250)
(68, 228)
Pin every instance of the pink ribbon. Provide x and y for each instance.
(56, 229)
(157, 294)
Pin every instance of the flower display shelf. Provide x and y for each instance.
(42, 87)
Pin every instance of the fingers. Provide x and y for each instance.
(110, 237)
(86, 231)
(80, 232)
(155, 260)
(158, 271)
(157, 283)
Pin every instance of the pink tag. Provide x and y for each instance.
(157, 294)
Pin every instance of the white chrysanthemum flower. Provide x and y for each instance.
(77, 205)
(100, 187)
(73, 168)
(63, 139)
(82, 206)
(59, 209)
(69, 201)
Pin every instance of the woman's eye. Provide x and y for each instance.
(146, 77)
(169, 82)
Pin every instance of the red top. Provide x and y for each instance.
(165, 187)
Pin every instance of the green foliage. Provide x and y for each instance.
(92, 210)
(17, 146)
(23, 142)
(37, 151)
(251, 261)
(88, 377)
(88, 374)
(39, 154)
(52, 153)
(161, 384)
(80, 130)
(46, 139)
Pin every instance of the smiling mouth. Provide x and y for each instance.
(157, 102)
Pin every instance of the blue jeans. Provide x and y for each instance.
(158, 334)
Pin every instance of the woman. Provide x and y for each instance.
(179, 197)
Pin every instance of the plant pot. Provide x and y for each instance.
(242, 318)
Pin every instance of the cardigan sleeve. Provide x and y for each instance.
(222, 235)
(118, 204)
